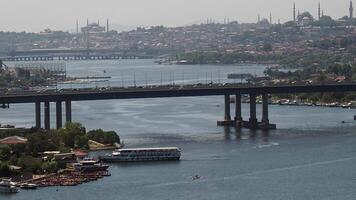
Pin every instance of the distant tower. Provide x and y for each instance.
(351, 9)
(87, 22)
(259, 18)
(107, 25)
(319, 11)
(294, 12)
(77, 27)
(270, 18)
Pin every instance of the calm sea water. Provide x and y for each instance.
(312, 155)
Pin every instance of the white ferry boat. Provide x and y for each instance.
(143, 154)
(6, 186)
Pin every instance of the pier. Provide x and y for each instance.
(253, 122)
(47, 114)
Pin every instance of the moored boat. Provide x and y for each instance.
(90, 165)
(143, 154)
(28, 186)
(6, 186)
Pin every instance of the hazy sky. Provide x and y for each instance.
(36, 15)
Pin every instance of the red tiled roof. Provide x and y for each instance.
(13, 140)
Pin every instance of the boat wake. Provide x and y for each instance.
(272, 144)
(261, 172)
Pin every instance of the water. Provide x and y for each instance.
(311, 156)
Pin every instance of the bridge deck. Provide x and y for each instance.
(164, 91)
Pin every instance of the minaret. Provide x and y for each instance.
(259, 18)
(77, 27)
(351, 9)
(319, 11)
(270, 18)
(294, 12)
(87, 22)
(107, 25)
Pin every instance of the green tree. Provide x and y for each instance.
(5, 153)
(70, 132)
(5, 170)
(50, 167)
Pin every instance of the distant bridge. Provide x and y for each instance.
(71, 54)
(92, 94)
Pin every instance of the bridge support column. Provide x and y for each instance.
(238, 110)
(59, 114)
(265, 125)
(265, 119)
(68, 111)
(47, 120)
(253, 119)
(227, 116)
(227, 108)
(38, 114)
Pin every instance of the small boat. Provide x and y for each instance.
(28, 186)
(6, 186)
(196, 177)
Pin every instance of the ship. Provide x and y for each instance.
(90, 165)
(6, 186)
(143, 154)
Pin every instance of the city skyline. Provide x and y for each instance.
(60, 16)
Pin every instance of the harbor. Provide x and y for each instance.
(68, 178)
(307, 137)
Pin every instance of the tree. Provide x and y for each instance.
(30, 163)
(40, 142)
(5, 153)
(103, 137)
(50, 167)
(70, 132)
(5, 170)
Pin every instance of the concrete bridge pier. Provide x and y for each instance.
(265, 119)
(38, 114)
(265, 125)
(47, 120)
(227, 117)
(253, 123)
(238, 111)
(68, 111)
(59, 114)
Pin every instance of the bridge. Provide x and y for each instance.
(71, 54)
(67, 96)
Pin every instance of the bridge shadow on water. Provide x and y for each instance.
(239, 134)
